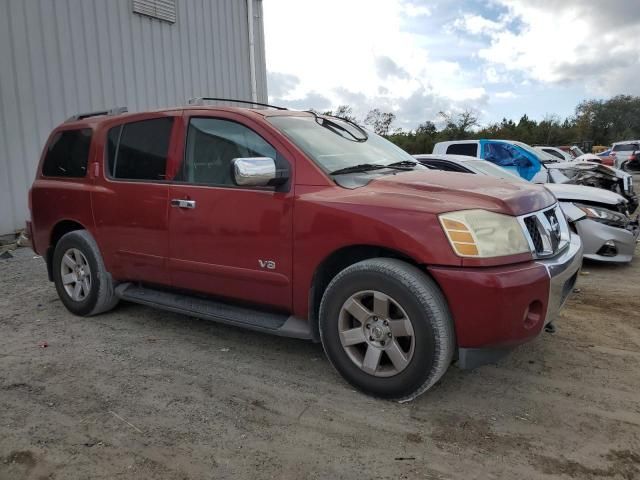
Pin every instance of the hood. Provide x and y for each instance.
(438, 192)
(581, 193)
(588, 157)
(582, 165)
(587, 166)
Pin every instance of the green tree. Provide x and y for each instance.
(458, 126)
(343, 111)
(380, 121)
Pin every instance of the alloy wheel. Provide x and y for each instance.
(376, 333)
(75, 274)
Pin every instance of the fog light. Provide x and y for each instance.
(609, 249)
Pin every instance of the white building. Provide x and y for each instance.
(62, 57)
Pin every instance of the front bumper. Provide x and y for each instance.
(595, 235)
(498, 308)
(563, 273)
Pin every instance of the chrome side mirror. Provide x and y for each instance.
(257, 172)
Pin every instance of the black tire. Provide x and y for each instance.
(630, 167)
(101, 297)
(424, 304)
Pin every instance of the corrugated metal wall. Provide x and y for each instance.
(69, 56)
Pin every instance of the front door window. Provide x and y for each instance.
(212, 144)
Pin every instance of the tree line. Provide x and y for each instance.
(595, 122)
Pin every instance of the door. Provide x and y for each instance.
(229, 241)
(131, 205)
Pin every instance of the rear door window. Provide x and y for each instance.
(139, 150)
(467, 149)
(68, 154)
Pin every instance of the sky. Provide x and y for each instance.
(415, 58)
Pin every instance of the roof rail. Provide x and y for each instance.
(201, 100)
(109, 112)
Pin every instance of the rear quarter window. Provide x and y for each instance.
(68, 154)
(467, 149)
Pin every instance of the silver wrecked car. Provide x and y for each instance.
(600, 217)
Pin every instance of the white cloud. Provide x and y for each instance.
(508, 94)
(414, 10)
(569, 42)
(477, 25)
(364, 49)
(491, 75)
(414, 60)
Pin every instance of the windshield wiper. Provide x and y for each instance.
(335, 127)
(365, 167)
(403, 163)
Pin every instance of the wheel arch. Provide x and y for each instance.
(337, 261)
(59, 230)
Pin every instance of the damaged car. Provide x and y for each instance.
(594, 175)
(568, 154)
(540, 167)
(601, 218)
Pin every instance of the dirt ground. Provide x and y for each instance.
(144, 394)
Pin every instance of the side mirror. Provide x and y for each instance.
(257, 172)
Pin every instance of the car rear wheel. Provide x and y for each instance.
(385, 326)
(83, 284)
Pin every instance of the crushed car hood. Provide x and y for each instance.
(439, 192)
(586, 166)
(582, 193)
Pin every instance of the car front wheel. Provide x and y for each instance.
(385, 326)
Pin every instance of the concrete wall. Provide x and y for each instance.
(62, 57)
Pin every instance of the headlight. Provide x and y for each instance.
(608, 217)
(480, 233)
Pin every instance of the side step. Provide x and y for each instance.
(274, 323)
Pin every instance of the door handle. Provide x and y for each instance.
(178, 202)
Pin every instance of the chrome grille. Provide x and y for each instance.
(534, 234)
(547, 231)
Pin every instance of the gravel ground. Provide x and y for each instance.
(139, 393)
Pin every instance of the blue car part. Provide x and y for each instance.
(512, 157)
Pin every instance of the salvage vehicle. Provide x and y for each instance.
(561, 155)
(600, 217)
(541, 167)
(626, 155)
(578, 154)
(568, 154)
(606, 158)
(301, 225)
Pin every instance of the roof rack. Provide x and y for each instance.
(201, 100)
(97, 113)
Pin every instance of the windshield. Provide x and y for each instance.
(625, 147)
(542, 156)
(489, 168)
(334, 150)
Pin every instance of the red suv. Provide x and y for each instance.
(301, 225)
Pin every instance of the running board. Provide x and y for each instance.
(274, 323)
